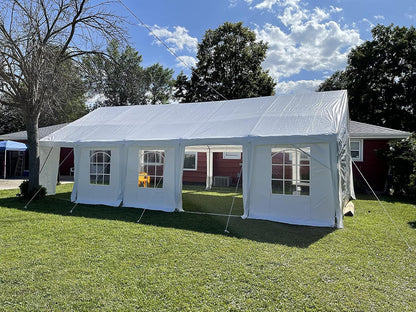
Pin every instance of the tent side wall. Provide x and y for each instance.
(316, 209)
(164, 198)
(97, 191)
(49, 166)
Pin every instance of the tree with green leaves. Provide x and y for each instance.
(181, 86)
(11, 120)
(401, 157)
(117, 74)
(229, 66)
(381, 79)
(66, 103)
(37, 37)
(160, 84)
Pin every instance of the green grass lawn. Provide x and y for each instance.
(100, 259)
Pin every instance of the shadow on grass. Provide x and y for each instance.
(413, 224)
(256, 230)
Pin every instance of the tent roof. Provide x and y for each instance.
(311, 114)
(12, 146)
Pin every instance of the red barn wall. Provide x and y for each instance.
(66, 159)
(227, 167)
(222, 167)
(373, 168)
(198, 176)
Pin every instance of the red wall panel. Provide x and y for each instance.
(373, 168)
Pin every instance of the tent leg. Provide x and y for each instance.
(232, 203)
(5, 167)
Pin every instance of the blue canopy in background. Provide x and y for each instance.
(12, 146)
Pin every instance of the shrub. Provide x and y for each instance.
(24, 191)
(402, 161)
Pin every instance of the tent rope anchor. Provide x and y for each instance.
(138, 221)
(72, 210)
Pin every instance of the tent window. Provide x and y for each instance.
(356, 150)
(290, 171)
(100, 167)
(151, 168)
(190, 161)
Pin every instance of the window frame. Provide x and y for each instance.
(196, 162)
(294, 156)
(360, 157)
(102, 163)
(229, 155)
(156, 177)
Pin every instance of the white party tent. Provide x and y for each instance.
(296, 165)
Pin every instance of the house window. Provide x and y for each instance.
(190, 161)
(100, 167)
(231, 155)
(151, 168)
(356, 150)
(291, 171)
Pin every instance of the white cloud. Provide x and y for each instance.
(369, 22)
(310, 42)
(297, 87)
(379, 17)
(190, 61)
(269, 4)
(177, 40)
(335, 9)
(232, 3)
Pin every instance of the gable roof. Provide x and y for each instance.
(313, 114)
(367, 131)
(22, 135)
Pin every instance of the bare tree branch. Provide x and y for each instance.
(42, 36)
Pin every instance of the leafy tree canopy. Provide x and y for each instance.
(229, 66)
(119, 76)
(66, 103)
(381, 79)
(160, 84)
(402, 160)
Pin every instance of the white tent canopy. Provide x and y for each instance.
(310, 131)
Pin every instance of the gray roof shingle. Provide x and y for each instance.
(367, 131)
(22, 135)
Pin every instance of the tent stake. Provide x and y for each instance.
(73, 208)
(138, 221)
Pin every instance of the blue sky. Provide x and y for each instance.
(308, 40)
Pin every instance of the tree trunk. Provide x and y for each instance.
(33, 145)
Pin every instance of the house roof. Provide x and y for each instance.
(290, 117)
(22, 135)
(367, 131)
